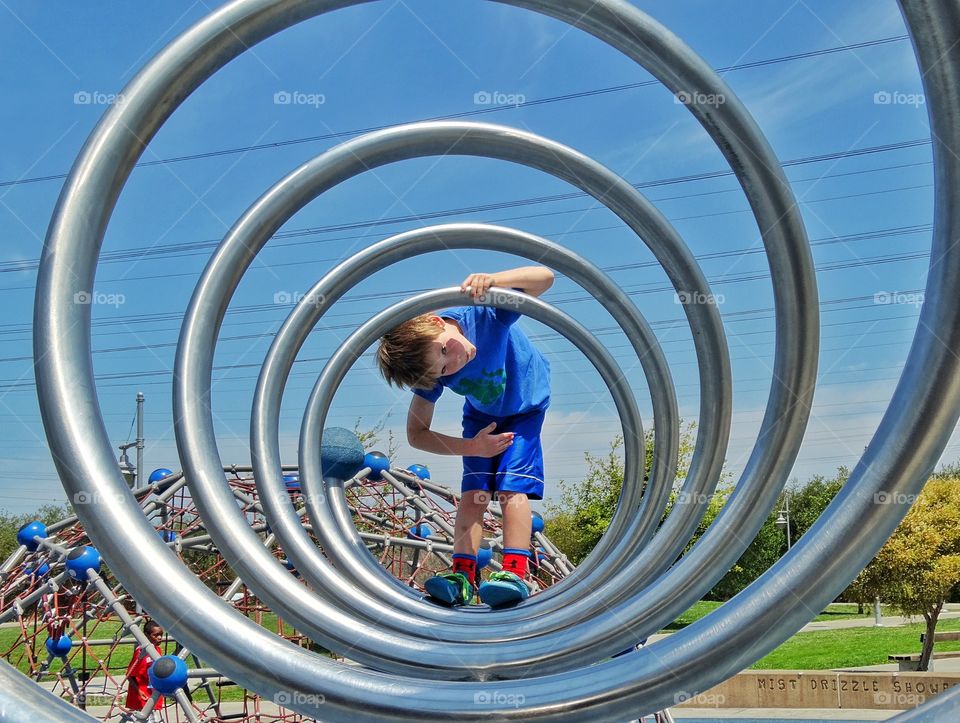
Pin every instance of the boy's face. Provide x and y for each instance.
(155, 636)
(451, 351)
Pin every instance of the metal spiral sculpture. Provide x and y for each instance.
(550, 657)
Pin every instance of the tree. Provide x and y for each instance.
(10, 524)
(919, 566)
(809, 500)
(370, 438)
(585, 509)
(576, 524)
(765, 549)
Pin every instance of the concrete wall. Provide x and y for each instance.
(822, 689)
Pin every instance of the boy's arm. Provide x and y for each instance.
(533, 280)
(420, 436)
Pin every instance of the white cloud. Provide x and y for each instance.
(790, 93)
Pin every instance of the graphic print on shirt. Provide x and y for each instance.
(486, 390)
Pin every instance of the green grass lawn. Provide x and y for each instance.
(844, 648)
(853, 647)
(10, 636)
(835, 611)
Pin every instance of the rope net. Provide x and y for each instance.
(406, 523)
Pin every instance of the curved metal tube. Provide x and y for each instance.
(459, 138)
(23, 701)
(350, 554)
(335, 530)
(904, 450)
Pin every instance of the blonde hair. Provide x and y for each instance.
(403, 353)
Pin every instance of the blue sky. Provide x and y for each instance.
(389, 62)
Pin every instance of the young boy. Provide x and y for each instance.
(139, 691)
(479, 353)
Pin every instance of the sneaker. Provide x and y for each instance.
(452, 588)
(503, 588)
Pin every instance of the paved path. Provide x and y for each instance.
(951, 611)
(889, 621)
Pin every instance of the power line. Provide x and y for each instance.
(571, 297)
(476, 111)
(11, 384)
(197, 247)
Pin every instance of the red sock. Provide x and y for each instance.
(466, 564)
(515, 561)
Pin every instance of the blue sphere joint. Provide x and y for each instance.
(168, 675)
(59, 647)
(341, 454)
(484, 555)
(158, 474)
(37, 570)
(80, 560)
(30, 530)
(420, 470)
(538, 523)
(419, 532)
(378, 463)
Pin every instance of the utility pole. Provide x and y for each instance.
(140, 478)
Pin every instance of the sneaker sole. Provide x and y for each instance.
(497, 594)
(441, 590)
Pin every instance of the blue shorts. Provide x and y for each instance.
(519, 468)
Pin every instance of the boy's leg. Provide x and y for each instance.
(478, 474)
(468, 532)
(519, 479)
(517, 530)
(468, 527)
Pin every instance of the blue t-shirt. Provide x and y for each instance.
(507, 376)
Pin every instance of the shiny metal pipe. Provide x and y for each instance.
(23, 701)
(308, 312)
(347, 552)
(404, 142)
(240, 34)
(906, 445)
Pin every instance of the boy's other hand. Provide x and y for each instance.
(487, 444)
(477, 285)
